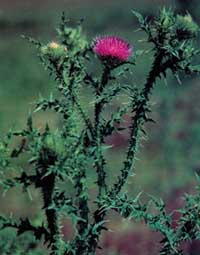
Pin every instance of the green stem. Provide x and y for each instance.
(87, 121)
(100, 161)
(74, 99)
(82, 224)
(48, 189)
(47, 184)
(99, 215)
(138, 121)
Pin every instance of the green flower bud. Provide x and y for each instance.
(55, 143)
(54, 50)
(166, 20)
(186, 28)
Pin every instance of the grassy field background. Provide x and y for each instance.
(169, 157)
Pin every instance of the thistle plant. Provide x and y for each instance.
(60, 161)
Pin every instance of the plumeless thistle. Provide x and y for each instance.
(61, 161)
(112, 49)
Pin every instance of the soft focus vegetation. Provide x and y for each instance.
(169, 156)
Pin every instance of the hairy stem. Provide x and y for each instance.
(74, 99)
(100, 161)
(138, 121)
(99, 164)
(51, 214)
(82, 224)
(47, 184)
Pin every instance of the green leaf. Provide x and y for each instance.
(138, 16)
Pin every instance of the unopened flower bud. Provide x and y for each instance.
(186, 28)
(53, 45)
(54, 50)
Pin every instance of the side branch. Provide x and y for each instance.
(62, 88)
(140, 108)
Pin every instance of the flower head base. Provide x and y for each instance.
(112, 50)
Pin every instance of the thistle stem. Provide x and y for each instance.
(48, 189)
(100, 161)
(82, 224)
(138, 121)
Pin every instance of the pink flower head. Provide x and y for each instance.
(112, 48)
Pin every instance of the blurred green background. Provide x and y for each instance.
(167, 160)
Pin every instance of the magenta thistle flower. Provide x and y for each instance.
(112, 48)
